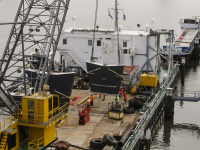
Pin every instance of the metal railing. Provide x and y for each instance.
(189, 94)
(35, 144)
(57, 114)
(11, 120)
(78, 60)
(150, 108)
(111, 27)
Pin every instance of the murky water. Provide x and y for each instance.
(183, 131)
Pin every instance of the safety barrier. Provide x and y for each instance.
(35, 144)
(149, 109)
(53, 117)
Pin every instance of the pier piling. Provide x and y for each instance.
(196, 49)
(148, 139)
(141, 136)
(169, 104)
(183, 70)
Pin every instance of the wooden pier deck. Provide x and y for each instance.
(99, 124)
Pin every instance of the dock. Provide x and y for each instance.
(99, 124)
(142, 120)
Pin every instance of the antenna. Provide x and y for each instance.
(116, 29)
(94, 30)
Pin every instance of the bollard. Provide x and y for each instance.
(183, 70)
(169, 104)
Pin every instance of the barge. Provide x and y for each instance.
(91, 121)
(186, 40)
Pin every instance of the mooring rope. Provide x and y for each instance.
(115, 72)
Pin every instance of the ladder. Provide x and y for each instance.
(4, 140)
(40, 110)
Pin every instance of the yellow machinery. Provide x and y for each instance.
(39, 115)
(149, 80)
(115, 111)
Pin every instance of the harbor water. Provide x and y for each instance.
(182, 132)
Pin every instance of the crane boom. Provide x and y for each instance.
(29, 46)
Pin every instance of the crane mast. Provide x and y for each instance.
(31, 45)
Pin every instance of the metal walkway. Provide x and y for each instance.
(190, 96)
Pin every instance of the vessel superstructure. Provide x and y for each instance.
(75, 47)
(186, 40)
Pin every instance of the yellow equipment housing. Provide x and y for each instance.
(148, 80)
(116, 114)
(40, 113)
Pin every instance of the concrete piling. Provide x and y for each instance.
(148, 139)
(183, 70)
(169, 104)
(141, 136)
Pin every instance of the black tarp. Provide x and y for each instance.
(61, 82)
(104, 79)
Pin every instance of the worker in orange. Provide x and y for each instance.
(120, 91)
(125, 97)
(91, 99)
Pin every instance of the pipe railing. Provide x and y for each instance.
(150, 109)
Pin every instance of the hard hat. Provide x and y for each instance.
(124, 92)
(91, 94)
(116, 95)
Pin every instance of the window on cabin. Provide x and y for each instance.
(55, 105)
(124, 44)
(31, 110)
(98, 42)
(64, 41)
(50, 104)
(89, 42)
(31, 115)
(55, 102)
(125, 51)
(30, 105)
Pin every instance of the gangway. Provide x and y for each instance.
(77, 59)
(189, 96)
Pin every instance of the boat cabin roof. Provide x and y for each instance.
(106, 31)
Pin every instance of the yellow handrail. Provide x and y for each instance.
(36, 143)
(50, 116)
(10, 120)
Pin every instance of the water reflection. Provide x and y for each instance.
(165, 132)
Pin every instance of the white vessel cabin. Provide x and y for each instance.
(75, 47)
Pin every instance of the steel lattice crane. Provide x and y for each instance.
(37, 34)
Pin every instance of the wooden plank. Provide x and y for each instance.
(121, 130)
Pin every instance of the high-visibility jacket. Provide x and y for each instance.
(91, 98)
(120, 91)
(125, 96)
(117, 99)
